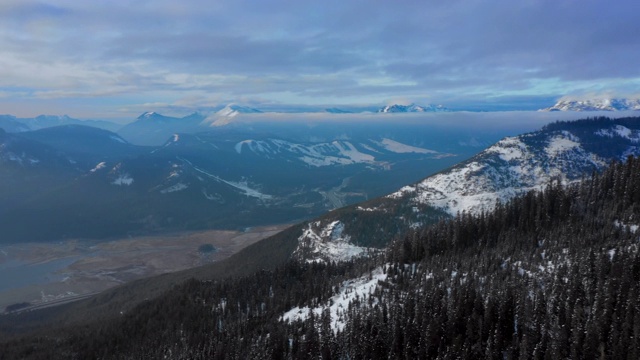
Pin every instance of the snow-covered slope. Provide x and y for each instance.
(565, 152)
(397, 108)
(353, 292)
(326, 242)
(226, 115)
(605, 104)
(338, 152)
(516, 165)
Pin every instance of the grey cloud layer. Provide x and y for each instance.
(318, 50)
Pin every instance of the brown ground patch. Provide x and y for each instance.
(95, 266)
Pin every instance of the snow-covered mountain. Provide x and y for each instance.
(564, 152)
(225, 115)
(152, 128)
(604, 104)
(397, 108)
(337, 152)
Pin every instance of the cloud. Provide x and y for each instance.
(310, 52)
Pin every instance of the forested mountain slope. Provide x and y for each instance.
(550, 274)
(562, 151)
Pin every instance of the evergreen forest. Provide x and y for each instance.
(548, 275)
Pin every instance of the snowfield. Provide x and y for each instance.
(327, 243)
(242, 186)
(621, 131)
(339, 152)
(174, 188)
(510, 167)
(123, 179)
(359, 288)
(99, 166)
(323, 154)
(400, 148)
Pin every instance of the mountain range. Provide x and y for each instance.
(76, 181)
(12, 123)
(562, 152)
(412, 108)
(526, 250)
(598, 104)
(153, 128)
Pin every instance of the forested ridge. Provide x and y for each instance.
(551, 274)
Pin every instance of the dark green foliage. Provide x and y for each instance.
(18, 306)
(552, 274)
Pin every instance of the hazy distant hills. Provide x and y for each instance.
(78, 181)
(603, 104)
(84, 142)
(152, 128)
(12, 123)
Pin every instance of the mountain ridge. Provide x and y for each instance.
(563, 152)
(412, 108)
(596, 104)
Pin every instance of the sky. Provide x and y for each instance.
(116, 59)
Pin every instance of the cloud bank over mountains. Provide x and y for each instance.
(101, 58)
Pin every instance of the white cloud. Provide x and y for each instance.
(200, 52)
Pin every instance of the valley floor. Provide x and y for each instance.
(43, 274)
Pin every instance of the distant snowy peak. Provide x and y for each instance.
(149, 115)
(516, 165)
(595, 105)
(232, 110)
(226, 115)
(396, 108)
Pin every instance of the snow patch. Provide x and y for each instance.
(360, 208)
(118, 139)
(242, 186)
(327, 244)
(323, 154)
(348, 150)
(174, 188)
(508, 149)
(123, 179)
(559, 144)
(100, 165)
(360, 288)
(621, 131)
(400, 148)
(632, 227)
